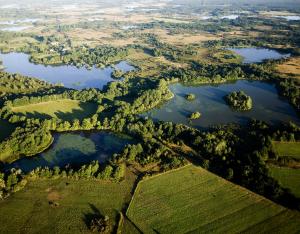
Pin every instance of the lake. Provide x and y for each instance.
(69, 76)
(288, 17)
(258, 55)
(267, 105)
(76, 149)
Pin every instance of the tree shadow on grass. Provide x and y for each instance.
(36, 115)
(95, 214)
(86, 110)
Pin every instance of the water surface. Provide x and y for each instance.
(257, 55)
(14, 28)
(75, 149)
(230, 17)
(267, 105)
(288, 17)
(69, 76)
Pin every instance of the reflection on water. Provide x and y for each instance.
(267, 105)
(76, 149)
(69, 76)
(288, 17)
(257, 55)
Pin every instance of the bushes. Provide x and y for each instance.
(195, 115)
(290, 89)
(26, 141)
(15, 180)
(239, 101)
(11, 182)
(190, 97)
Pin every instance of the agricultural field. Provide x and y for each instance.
(191, 199)
(287, 177)
(63, 206)
(62, 109)
(290, 149)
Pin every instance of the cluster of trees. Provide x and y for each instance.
(93, 170)
(169, 51)
(177, 28)
(239, 101)
(290, 88)
(64, 53)
(11, 182)
(26, 141)
(150, 151)
(15, 180)
(195, 115)
(15, 83)
(207, 73)
(190, 97)
(201, 73)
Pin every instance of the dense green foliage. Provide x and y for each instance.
(290, 89)
(195, 115)
(190, 97)
(239, 101)
(27, 141)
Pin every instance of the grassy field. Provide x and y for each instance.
(29, 210)
(291, 68)
(192, 199)
(288, 178)
(63, 109)
(291, 149)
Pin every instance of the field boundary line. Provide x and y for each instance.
(145, 179)
(165, 172)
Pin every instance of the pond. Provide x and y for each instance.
(267, 105)
(75, 149)
(69, 76)
(257, 55)
(288, 17)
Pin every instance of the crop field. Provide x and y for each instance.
(291, 149)
(30, 210)
(62, 109)
(192, 199)
(288, 178)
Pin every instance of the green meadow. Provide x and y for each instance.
(32, 211)
(63, 109)
(287, 177)
(192, 199)
(291, 149)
